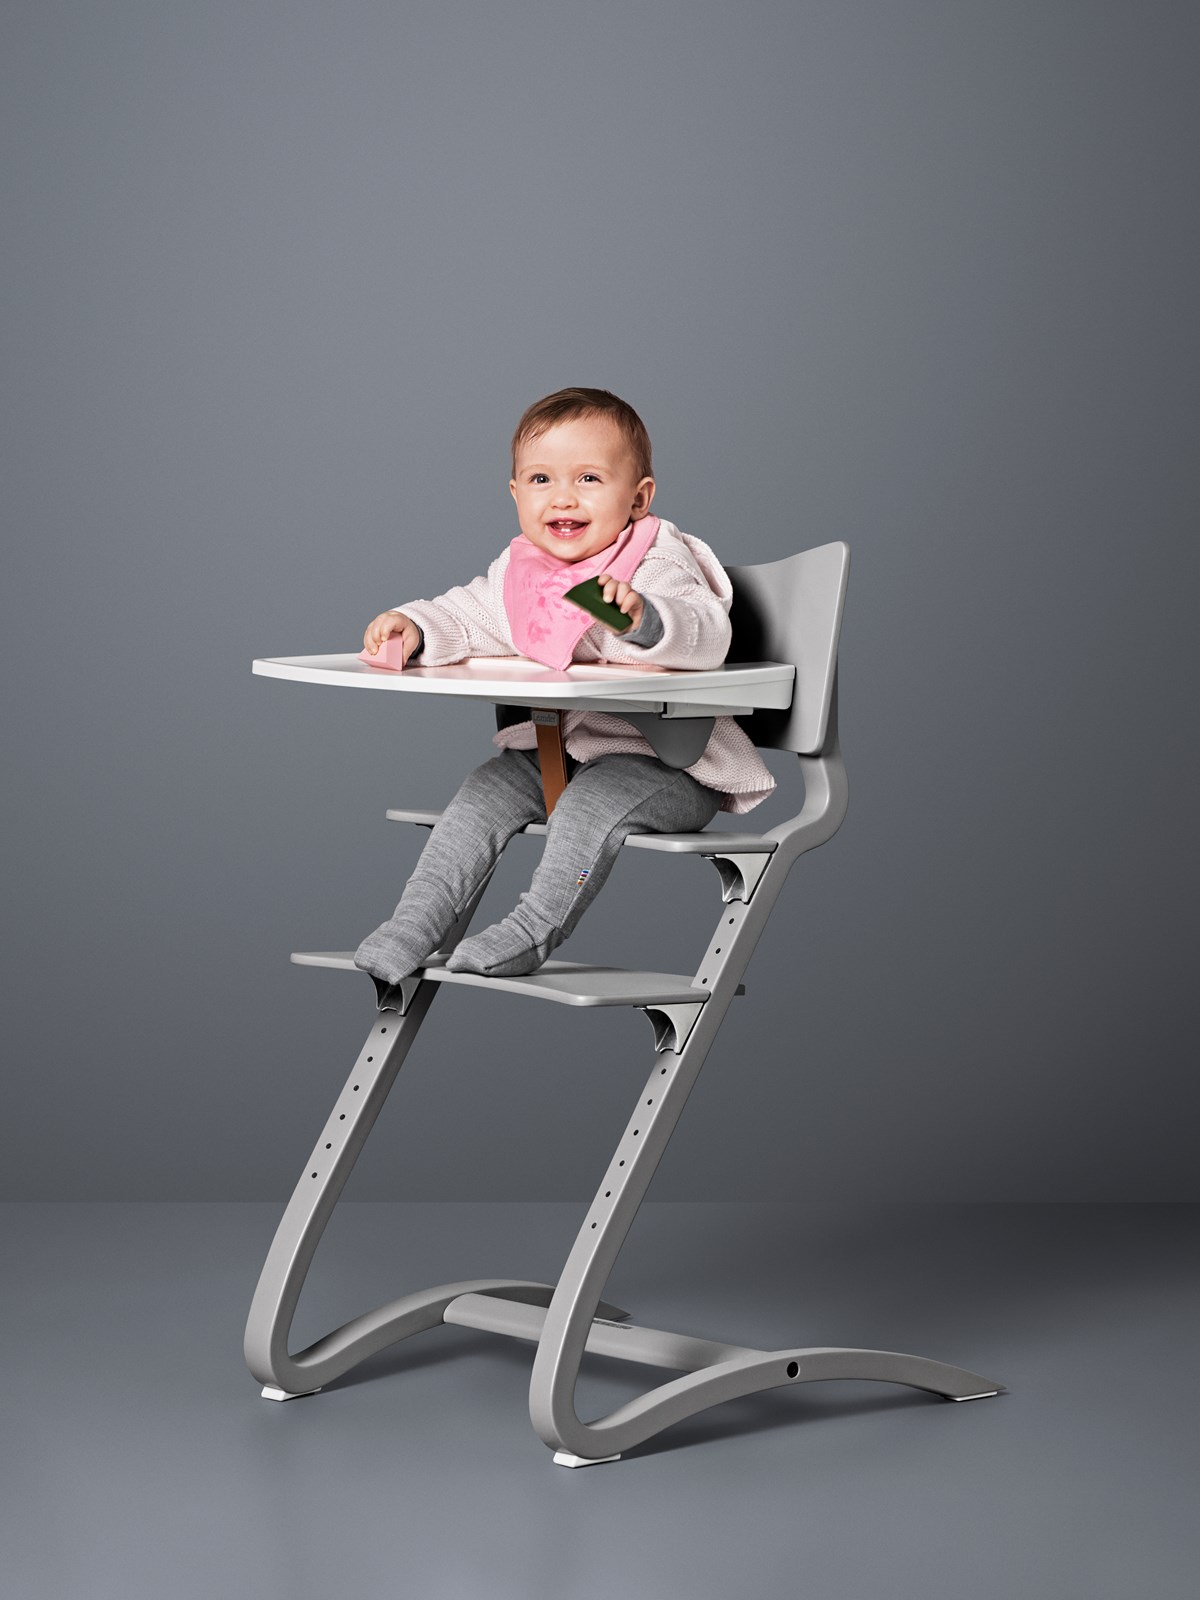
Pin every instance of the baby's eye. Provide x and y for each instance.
(539, 477)
(590, 477)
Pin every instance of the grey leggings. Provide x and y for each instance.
(604, 800)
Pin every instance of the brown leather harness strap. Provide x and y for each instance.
(552, 755)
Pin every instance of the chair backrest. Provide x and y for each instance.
(791, 610)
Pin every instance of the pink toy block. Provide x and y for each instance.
(389, 655)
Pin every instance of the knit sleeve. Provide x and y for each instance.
(465, 621)
(692, 604)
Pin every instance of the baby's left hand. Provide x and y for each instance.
(617, 592)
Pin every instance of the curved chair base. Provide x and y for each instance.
(800, 1366)
(750, 1372)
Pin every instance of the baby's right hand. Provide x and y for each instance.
(385, 625)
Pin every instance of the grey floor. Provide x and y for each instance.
(139, 1460)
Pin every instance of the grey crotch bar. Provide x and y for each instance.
(789, 610)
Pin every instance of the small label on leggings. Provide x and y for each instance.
(582, 878)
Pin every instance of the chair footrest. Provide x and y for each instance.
(568, 983)
(693, 844)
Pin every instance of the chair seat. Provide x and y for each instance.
(694, 844)
(569, 983)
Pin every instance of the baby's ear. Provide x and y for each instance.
(643, 495)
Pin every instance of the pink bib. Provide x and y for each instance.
(544, 626)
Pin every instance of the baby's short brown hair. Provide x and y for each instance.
(567, 403)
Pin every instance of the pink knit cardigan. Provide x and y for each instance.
(692, 595)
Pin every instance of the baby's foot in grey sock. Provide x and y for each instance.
(410, 935)
(505, 950)
(393, 951)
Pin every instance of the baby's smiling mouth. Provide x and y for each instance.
(565, 527)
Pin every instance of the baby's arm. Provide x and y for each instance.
(466, 621)
(685, 623)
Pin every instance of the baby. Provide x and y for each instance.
(583, 484)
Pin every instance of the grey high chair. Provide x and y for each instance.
(787, 611)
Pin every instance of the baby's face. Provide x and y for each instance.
(577, 487)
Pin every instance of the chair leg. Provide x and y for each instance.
(299, 1233)
(268, 1326)
(604, 1230)
(725, 1375)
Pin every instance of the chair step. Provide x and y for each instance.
(693, 844)
(569, 983)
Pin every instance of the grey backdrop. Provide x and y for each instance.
(278, 280)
